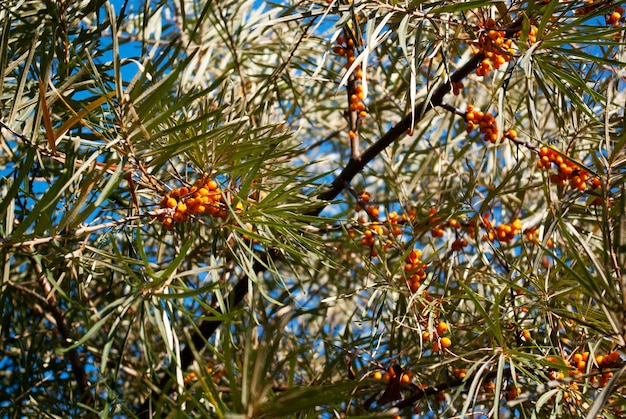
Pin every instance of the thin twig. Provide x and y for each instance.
(80, 231)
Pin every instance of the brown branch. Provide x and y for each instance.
(420, 393)
(59, 317)
(355, 166)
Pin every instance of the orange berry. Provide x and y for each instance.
(513, 393)
(613, 18)
(339, 50)
(458, 245)
(171, 203)
(446, 342)
(179, 217)
(442, 327)
(460, 372)
(373, 211)
(414, 256)
(436, 232)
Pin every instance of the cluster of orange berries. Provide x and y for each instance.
(494, 45)
(346, 48)
(532, 34)
(616, 17)
(532, 235)
(415, 269)
(192, 376)
(356, 101)
(460, 242)
(437, 231)
(579, 363)
(459, 372)
(405, 378)
(205, 197)
(486, 122)
(588, 7)
(457, 86)
(438, 340)
(567, 170)
(376, 230)
(605, 362)
(501, 232)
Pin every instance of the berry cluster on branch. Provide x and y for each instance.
(567, 171)
(205, 197)
(494, 45)
(357, 111)
(579, 366)
(486, 123)
(501, 232)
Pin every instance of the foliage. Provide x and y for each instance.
(312, 209)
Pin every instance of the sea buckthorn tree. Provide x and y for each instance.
(312, 208)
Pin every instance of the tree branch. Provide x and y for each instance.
(78, 369)
(355, 166)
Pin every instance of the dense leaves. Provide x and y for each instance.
(312, 209)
